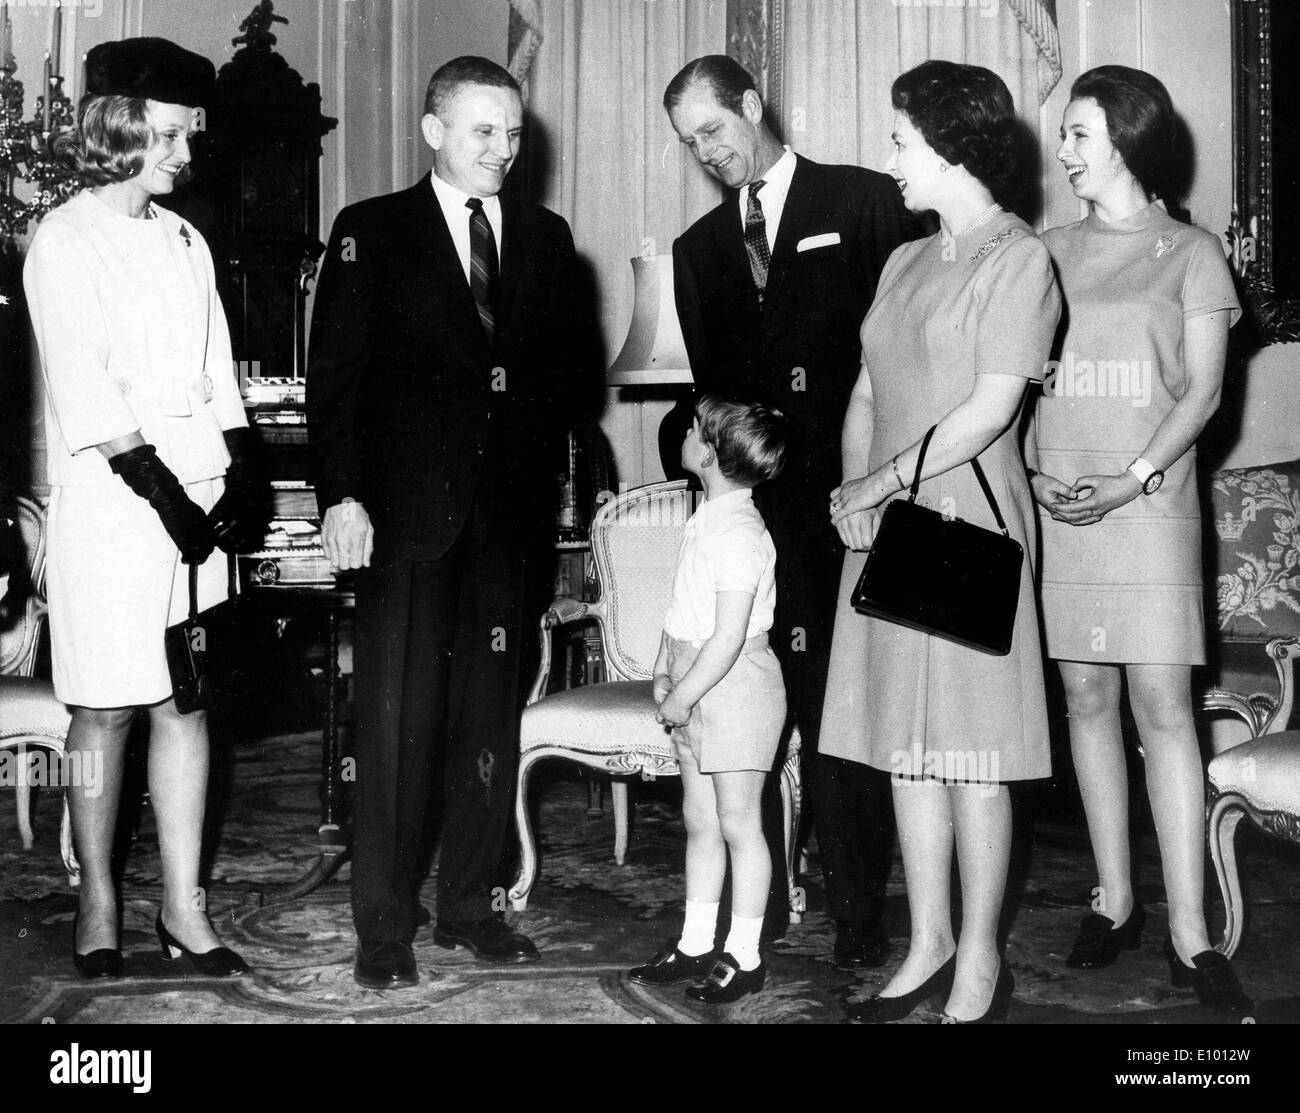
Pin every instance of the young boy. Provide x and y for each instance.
(718, 686)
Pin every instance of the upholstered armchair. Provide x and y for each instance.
(1256, 514)
(610, 726)
(30, 715)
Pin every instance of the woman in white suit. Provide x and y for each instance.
(150, 469)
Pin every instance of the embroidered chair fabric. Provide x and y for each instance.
(1256, 515)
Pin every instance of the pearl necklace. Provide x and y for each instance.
(987, 215)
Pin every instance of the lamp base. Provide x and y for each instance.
(672, 431)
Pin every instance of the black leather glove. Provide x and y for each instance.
(155, 482)
(240, 516)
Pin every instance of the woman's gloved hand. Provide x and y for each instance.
(240, 516)
(154, 481)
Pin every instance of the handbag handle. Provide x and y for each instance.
(194, 592)
(979, 474)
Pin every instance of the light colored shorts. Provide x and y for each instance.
(738, 723)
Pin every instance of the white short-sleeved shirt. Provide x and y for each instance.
(132, 337)
(726, 548)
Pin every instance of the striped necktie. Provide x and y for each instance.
(483, 266)
(760, 256)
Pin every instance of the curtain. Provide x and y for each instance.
(841, 56)
(602, 154)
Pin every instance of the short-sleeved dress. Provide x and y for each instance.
(132, 337)
(1127, 589)
(948, 309)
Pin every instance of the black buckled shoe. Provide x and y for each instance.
(727, 982)
(491, 939)
(1211, 976)
(1100, 941)
(860, 944)
(670, 966)
(385, 964)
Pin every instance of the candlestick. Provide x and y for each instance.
(6, 38)
(56, 38)
(49, 89)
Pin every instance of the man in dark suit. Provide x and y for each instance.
(438, 382)
(772, 287)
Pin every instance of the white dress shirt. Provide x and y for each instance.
(776, 185)
(457, 216)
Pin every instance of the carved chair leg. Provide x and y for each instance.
(527, 843)
(66, 848)
(792, 808)
(23, 796)
(618, 791)
(1222, 829)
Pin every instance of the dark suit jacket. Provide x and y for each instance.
(813, 308)
(409, 410)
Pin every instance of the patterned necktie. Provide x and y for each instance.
(760, 256)
(483, 266)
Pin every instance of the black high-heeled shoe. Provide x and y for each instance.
(105, 962)
(881, 1010)
(1100, 941)
(1211, 976)
(220, 962)
(999, 1006)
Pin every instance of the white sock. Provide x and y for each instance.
(742, 940)
(700, 928)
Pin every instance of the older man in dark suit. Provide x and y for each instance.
(442, 358)
(772, 287)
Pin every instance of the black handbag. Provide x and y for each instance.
(186, 645)
(943, 576)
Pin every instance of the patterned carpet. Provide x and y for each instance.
(591, 918)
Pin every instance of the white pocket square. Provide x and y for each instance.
(824, 240)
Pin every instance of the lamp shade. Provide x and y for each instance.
(654, 352)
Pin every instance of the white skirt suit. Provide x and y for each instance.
(132, 338)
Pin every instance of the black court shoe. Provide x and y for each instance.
(881, 1010)
(220, 962)
(999, 1006)
(1100, 941)
(670, 966)
(105, 962)
(1211, 976)
(727, 982)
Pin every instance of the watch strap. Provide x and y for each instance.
(1142, 471)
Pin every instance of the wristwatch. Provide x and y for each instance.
(1150, 477)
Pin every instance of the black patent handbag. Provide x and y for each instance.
(943, 576)
(186, 646)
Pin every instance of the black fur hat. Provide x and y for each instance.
(150, 68)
